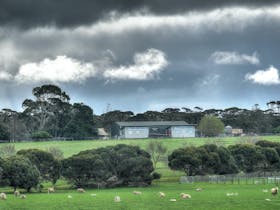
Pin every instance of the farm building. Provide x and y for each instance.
(152, 129)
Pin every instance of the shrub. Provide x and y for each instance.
(247, 157)
(57, 153)
(7, 151)
(48, 166)
(119, 165)
(20, 172)
(39, 135)
(206, 159)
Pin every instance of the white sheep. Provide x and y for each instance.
(22, 196)
(137, 193)
(3, 196)
(51, 190)
(274, 190)
(161, 194)
(117, 198)
(185, 196)
(81, 190)
(17, 193)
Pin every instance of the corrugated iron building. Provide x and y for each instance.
(152, 129)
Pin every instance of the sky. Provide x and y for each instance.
(142, 55)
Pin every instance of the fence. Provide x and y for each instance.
(252, 178)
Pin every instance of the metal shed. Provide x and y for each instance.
(153, 129)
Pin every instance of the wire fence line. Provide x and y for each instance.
(249, 178)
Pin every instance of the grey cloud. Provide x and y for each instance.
(69, 13)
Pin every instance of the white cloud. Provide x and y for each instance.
(268, 76)
(64, 69)
(5, 75)
(60, 69)
(146, 66)
(226, 57)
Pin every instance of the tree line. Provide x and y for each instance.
(126, 165)
(50, 113)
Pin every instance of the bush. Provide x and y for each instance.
(57, 153)
(48, 166)
(19, 172)
(206, 159)
(7, 151)
(156, 175)
(119, 165)
(275, 145)
(40, 135)
(247, 157)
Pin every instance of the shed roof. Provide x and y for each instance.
(102, 132)
(153, 123)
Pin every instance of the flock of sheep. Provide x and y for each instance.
(3, 196)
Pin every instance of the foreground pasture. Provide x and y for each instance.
(213, 196)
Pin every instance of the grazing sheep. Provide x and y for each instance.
(161, 194)
(3, 196)
(185, 196)
(17, 193)
(22, 196)
(274, 191)
(173, 200)
(81, 190)
(232, 194)
(117, 198)
(198, 189)
(51, 190)
(137, 193)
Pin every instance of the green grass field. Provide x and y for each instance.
(72, 147)
(250, 196)
(213, 196)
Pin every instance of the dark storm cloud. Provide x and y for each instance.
(67, 13)
(188, 40)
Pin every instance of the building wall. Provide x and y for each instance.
(182, 131)
(136, 132)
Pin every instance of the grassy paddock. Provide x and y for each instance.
(72, 147)
(213, 196)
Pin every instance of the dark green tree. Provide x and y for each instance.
(81, 122)
(48, 166)
(19, 172)
(119, 165)
(4, 134)
(247, 157)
